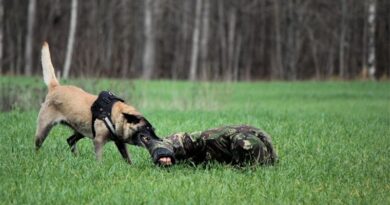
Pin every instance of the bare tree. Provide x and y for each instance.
(231, 43)
(236, 57)
(195, 42)
(126, 41)
(181, 46)
(71, 37)
(148, 63)
(371, 38)
(343, 30)
(277, 71)
(1, 35)
(29, 37)
(110, 27)
(314, 53)
(364, 72)
(202, 39)
(205, 39)
(223, 62)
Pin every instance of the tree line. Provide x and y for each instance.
(198, 39)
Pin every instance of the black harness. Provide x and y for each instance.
(101, 109)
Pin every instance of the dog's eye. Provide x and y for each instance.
(145, 138)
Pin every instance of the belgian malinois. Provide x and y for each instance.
(71, 106)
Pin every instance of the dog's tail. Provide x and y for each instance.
(48, 70)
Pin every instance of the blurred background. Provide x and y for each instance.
(223, 40)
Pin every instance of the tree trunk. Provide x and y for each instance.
(195, 42)
(71, 38)
(330, 66)
(29, 37)
(148, 62)
(1, 35)
(125, 65)
(19, 55)
(364, 72)
(110, 26)
(290, 41)
(231, 43)
(204, 40)
(371, 38)
(236, 58)
(314, 51)
(223, 41)
(277, 70)
(342, 38)
(181, 52)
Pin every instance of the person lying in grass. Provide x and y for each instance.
(237, 145)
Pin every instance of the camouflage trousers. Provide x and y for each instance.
(237, 145)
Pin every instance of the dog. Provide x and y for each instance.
(71, 106)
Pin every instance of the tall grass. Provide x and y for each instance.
(332, 139)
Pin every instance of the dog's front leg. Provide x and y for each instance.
(123, 150)
(99, 141)
(72, 140)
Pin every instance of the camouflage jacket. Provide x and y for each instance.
(229, 144)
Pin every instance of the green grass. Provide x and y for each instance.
(333, 140)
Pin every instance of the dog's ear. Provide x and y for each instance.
(133, 119)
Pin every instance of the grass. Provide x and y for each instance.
(333, 140)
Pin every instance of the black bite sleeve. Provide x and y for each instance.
(162, 152)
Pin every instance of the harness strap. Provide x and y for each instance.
(110, 126)
(101, 109)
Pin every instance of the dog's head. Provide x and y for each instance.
(137, 129)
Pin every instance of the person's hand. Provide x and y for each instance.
(163, 156)
(165, 161)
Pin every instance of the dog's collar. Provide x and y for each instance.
(101, 109)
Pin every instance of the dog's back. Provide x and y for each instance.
(72, 102)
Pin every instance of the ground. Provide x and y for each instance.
(332, 139)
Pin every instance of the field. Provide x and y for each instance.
(333, 140)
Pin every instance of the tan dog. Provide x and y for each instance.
(71, 106)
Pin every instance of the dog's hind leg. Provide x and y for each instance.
(41, 134)
(123, 150)
(72, 141)
(46, 121)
